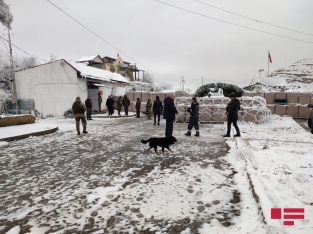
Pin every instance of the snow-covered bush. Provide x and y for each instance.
(6, 18)
(4, 101)
(69, 113)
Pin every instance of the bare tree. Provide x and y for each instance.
(6, 18)
(148, 78)
(163, 86)
(53, 57)
(20, 63)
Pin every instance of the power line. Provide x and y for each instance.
(23, 50)
(4, 44)
(238, 25)
(103, 39)
(258, 21)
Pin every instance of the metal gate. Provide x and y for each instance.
(93, 93)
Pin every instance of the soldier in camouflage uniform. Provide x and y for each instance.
(126, 104)
(79, 109)
(148, 106)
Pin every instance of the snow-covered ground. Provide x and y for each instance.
(277, 159)
(105, 181)
(115, 114)
(19, 130)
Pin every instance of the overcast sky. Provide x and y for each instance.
(169, 41)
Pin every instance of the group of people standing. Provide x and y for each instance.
(169, 112)
(125, 102)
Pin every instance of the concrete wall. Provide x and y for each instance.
(53, 87)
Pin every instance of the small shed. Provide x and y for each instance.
(54, 86)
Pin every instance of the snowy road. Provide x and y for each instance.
(105, 181)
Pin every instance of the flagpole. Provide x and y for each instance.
(268, 63)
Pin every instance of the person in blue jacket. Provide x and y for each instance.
(194, 117)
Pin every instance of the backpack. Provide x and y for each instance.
(77, 108)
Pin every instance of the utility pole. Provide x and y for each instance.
(14, 93)
(202, 80)
(180, 83)
(183, 83)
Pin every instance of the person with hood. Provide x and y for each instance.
(169, 114)
(99, 100)
(126, 104)
(232, 115)
(148, 106)
(79, 109)
(88, 105)
(107, 103)
(157, 109)
(138, 105)
(194, 117)
(119, 104)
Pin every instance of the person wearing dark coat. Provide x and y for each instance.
(232, 115)
(88, 105)
(126, 104)
(194, 117)
(109, 104)
(157, 109)
(169, 114)
(138, 105)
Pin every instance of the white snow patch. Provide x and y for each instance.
(15, 230)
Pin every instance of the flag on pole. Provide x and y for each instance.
(269, 57)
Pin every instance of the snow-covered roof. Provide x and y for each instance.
(98, 74)
(270, 81)
(96, 59)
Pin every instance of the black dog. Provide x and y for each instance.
(163, 142)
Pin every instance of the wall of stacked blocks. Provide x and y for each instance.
(213, 109)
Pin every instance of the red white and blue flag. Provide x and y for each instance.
(269, 57)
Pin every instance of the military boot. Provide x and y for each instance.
(188, 133)
(197, 133)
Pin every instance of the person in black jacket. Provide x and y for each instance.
(194, 117)
(157, 109)
(109, 104)
(169, 114)
(232, 115)
(88, 105)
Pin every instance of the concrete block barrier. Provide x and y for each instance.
(293, 110)
(281, 110)
(269, 97)
(280, 95)
(293, 97)
(145, 96)
(304, 98)
(137, 95)
(304, 111)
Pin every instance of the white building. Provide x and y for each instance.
(54, 86)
